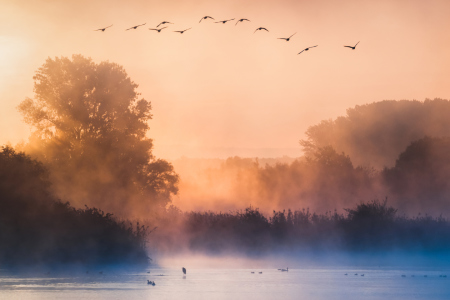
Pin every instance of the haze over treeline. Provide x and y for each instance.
(90, 128)
(394, 149)
(90, 146)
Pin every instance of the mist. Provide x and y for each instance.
(393, 149)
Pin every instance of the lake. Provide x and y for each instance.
(312, 283)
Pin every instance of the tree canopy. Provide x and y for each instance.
(89, 128)
(374, 134)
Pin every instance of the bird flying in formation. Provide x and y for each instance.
(103, 29)
(162, 23)
(206, 17)
(157, 29)
(134, 27)
(241, 20)
(306, 49)
(182, 31)
(224, 21)
(287, 39)
(261, 28)
(352, 47)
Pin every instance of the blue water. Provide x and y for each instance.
(232, 284)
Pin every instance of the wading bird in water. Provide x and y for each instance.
(182, 31)
(261, 28)
(206, 17)
(224, 21)
(306, 49)
(159, 30)
(353, 48)
(103, 29)
(287, 39)
(184, 270)
(162, 23)
(134, 27)
(241, 20)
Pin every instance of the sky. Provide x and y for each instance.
(221, 90)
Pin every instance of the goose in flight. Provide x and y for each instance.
(224, 21)
(261, 28)
(103, 29)
(306, 49)
(241, 20)
(287, 39)
(159, 30)
(182, 31)
(206, 17)
(134, 27)
(353, 48)
(162, 23)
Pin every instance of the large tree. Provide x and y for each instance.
(89, 128)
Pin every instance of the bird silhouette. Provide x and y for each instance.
(224, 21)
(285, 270)
(261, 28)
(206, 17)
(157, 29)
(103, 29)
(182, 31)
(287, 39)
(134, 27)
(306, 49)
(184, 270)
(241, 20)
(353, 48)
(163, 22)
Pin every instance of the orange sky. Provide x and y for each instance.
(219, 89)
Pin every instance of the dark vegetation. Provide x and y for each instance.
(37, 229)
(369, 227)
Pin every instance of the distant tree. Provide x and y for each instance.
(374, 134)
(90, 130)
(420, 177)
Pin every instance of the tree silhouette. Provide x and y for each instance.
(374, 134)
(420, 175)
(90, 130)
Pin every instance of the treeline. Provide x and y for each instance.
(37, 229)
(323, 180)
(369, 227)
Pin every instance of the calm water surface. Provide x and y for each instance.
(232, 284)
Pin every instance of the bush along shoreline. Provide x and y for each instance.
(39, 230)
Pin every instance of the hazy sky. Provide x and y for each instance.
(220, 89)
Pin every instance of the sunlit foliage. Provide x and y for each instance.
(90, 130)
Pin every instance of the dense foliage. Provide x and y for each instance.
(368, 227)
(89, 129)
(374, 134)
(35, 228)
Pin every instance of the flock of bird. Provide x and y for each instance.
(159, 29)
